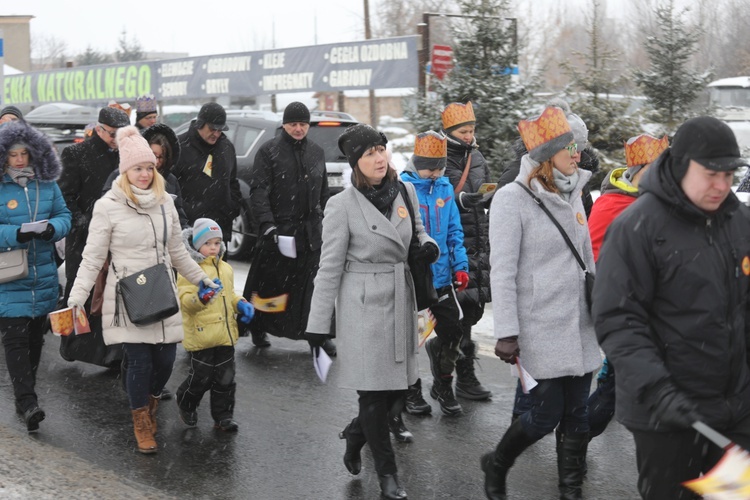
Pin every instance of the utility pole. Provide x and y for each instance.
(368, 35)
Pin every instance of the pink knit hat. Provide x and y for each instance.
(133, 148)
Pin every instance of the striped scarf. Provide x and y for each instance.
(20, 176)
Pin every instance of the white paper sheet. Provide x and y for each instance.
(288, 247)
(527, 381)
(322, 363)
(34, 227)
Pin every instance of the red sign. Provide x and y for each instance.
(442, 60)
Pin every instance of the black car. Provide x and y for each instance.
(248, 130)
(63, 123)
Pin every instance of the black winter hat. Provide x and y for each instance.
(710, 142)
(113, 117)
(11, 110)
(296, 112)
(213, 115)
(359, 138)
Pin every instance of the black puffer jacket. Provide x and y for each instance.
(671, 303)
(475, 225)
(289, 189)
(216, 197)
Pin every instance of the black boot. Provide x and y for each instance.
(415, 403)
(571, 460)
(398, 429)
(467, 384)
(355, 440)
(260, 339)
(497, 464)
(390, 488)
(442, 390)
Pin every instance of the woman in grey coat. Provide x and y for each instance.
(364, 272)
(539, 308)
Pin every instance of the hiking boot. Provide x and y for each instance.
(467, 384)
(399, 430)
(433, 348)
(32, 416)
(442, 390)
(260, 339)
(227, 425)
(415, 403)
(189, 418)
(144, 435)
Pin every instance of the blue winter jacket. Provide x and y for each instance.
(36, 295)
(442, 222)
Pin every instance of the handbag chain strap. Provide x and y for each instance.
(539, 202)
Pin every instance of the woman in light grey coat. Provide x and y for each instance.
(364, 273)
(539, 301)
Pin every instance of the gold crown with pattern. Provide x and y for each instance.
(431, 145)
(546, 134)
(644, 149)
(457, 113)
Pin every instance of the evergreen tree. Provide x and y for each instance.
(484, 51)
(669, 84)
(91, 57)
(127, 50)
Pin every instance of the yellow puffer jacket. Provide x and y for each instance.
(215, 323)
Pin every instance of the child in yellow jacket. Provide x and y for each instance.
(208, 318)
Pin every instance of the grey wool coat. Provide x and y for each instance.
(364, 273)
(127, 231)
(538, 290)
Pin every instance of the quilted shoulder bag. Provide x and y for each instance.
(14, 264)
(148, 295)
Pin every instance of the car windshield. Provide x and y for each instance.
(327, 137)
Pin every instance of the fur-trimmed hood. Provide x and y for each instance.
(44, 159)
(187, 239)
(174, 143)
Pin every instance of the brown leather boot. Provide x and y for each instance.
(143, 433)
(153, 404)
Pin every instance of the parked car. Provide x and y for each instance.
(248, 130)
(62, 122)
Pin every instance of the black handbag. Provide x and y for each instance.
(421, 272)
(588, 276)
(148, 295)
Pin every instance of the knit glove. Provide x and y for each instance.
(507, 349)
(246, 310)
(208, 289)
(461, 280)
(47, 234)
(429, 252)
(23, 237)
(270, 239)
(316, 339)
(670, 406)
(469, 200)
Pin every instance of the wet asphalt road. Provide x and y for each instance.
(287, 446)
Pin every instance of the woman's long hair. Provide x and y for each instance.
(543, 173)
(166, 150)
(359, 180)
(157, 185)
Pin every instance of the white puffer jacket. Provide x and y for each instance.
(130, 232)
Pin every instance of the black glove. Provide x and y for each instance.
(315, 339)
(671, 407)
(507, 349)
(469, 200)
(270, 238)
(47, 234)
(429, 252)
(23, 237)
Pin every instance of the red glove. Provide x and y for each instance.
(461, 281)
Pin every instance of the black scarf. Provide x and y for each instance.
(382, 195)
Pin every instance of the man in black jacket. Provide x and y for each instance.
(288, 192)
(671, 308)
(207, 170)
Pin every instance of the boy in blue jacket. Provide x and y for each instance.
(442, 222)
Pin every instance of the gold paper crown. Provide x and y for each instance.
(431, 145)
(644, 149)
(542, 134)
(456, 113)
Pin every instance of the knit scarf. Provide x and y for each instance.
(382, 195)
(21, 176)
(146, 197)
(565, 183)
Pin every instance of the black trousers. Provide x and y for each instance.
(372, 422)
(448, 328)
(23, 339)
(210, 370)
(666, 459)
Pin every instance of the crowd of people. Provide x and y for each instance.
(667, 242)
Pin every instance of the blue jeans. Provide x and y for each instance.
(554, 401)
(149, 369)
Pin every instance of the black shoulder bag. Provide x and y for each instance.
(148, 295)
(588, 276)
(421, 272)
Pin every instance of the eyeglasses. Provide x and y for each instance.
(112, 133)
(572, 149)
